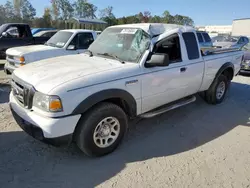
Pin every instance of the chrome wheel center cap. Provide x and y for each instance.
(105, 130)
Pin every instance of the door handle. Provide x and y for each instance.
(183, 69)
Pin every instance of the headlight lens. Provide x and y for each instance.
(21, 60)
(246, 62)
(47, 103)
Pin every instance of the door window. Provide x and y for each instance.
(84, 40)
(13, 32)
(170, 46)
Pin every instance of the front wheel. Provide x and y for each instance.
(216, 93)
(101, 130)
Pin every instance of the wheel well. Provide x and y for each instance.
(121, 103)
(229, 73)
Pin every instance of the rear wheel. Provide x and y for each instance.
(216, 93)
(101, 130)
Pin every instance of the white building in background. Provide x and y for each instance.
(217, 29)
(241, 27)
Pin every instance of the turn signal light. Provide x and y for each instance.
(21, 59)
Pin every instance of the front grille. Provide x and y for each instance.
(23, 92)
(10, 57)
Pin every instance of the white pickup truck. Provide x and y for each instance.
(64, 42)
(137, 70)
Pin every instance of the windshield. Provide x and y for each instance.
(123, 43)
(59, 39)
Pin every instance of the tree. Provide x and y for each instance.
(47, 18)
(17, 7)
(183, 20)
(10, 13)
(144, 17)
(62, 8)
(155, 19)
(3, 14)
(167, 17)
(27, 10)
(84, 9)
(108, 16)
(55, 9)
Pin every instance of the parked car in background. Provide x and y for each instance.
(204, 39)
(128, 73)
(245, 65)
(48, 33)
(17, 34)
(231, 41)
(37, 30)
(64, 42)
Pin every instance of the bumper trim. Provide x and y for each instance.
(8, 69)
(37, 133)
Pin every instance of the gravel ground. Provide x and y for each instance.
(198, 145)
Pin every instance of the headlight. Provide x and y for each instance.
(246, 62)
(21, 60)
(47, 103)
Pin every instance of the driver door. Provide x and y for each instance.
(181, 78)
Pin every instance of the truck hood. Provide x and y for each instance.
(47, 74)
(19, 51)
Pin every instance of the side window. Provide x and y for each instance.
(84, 40)
(23, 33)
(170, 46)
(200, 37)
(48, 34)
(74, 41)
(241, 40)
(246, 40)
(206, 37)
(191, 45)
(12, 32)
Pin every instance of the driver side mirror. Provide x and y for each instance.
(158, 60)
(71, 47)
(4, 34)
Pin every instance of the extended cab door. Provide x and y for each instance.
(183, 77)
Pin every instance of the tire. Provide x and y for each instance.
(211, 96)
(91, 135)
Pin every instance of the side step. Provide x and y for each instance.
(168, 107)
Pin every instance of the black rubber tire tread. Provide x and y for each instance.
(88, 122)
(210, 94)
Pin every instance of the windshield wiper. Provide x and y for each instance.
(113, 56)
(90, 53)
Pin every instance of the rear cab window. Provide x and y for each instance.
(191, 45)
(206, 37)
(199, 37)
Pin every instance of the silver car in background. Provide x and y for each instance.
(230, 41)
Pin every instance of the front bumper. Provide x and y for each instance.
(8, 69)
(54, 131)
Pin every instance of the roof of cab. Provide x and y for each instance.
(77, 30)
(155, 29)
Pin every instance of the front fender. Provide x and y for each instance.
(100, 96)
